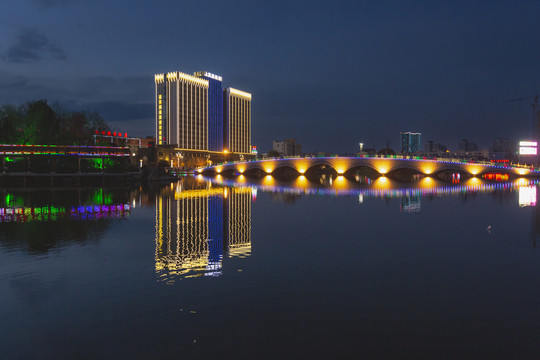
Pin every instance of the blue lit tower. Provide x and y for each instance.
(215, 110)
(411, 142)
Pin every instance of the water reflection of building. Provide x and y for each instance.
(196, 228)
(411, 203)
(238, 225)
(527, 196)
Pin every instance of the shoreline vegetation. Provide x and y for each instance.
(38, 123)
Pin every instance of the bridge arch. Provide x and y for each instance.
(364, 169)
(286, 171)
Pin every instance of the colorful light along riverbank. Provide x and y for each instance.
(64, 150)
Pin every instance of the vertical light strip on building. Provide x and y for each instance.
(160, 106)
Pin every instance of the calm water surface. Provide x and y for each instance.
(222, 269)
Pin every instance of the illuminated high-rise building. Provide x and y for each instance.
(195, 113)
(411, 142)
(182, 111)
(237, 109)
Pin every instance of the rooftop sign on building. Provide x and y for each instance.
(528, 148)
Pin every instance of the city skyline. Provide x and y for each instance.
(329, 76)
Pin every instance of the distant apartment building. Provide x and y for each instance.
(504, 149)
(411, 142)
(195, 114)
(467, 146)
(433, 147)
(287, 147)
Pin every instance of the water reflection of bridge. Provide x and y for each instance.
(197, 228)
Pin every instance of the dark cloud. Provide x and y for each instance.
(119, 110)
(31, 46)
(49, 3)
(78, 91)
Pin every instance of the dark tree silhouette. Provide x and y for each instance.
(37, 123)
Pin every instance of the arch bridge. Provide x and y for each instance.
(382, 164)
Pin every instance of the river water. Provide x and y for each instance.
(237, 269)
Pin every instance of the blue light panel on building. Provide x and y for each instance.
(215, 112)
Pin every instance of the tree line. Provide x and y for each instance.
(38, 123)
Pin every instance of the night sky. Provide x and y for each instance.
(328, 73)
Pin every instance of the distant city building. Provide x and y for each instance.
(466, 145)
(504, 149)
(411, 142)
(194, 113)
(433, 147)
(288, 147)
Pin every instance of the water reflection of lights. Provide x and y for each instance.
(301, 180)
(52, 213)
(381, 183)
(527, 196)
(340, 182)
(199, 226)
(522, 182)
(426, 182)
(253, 193)
(268, 180)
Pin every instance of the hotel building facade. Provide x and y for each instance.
(195, 114)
